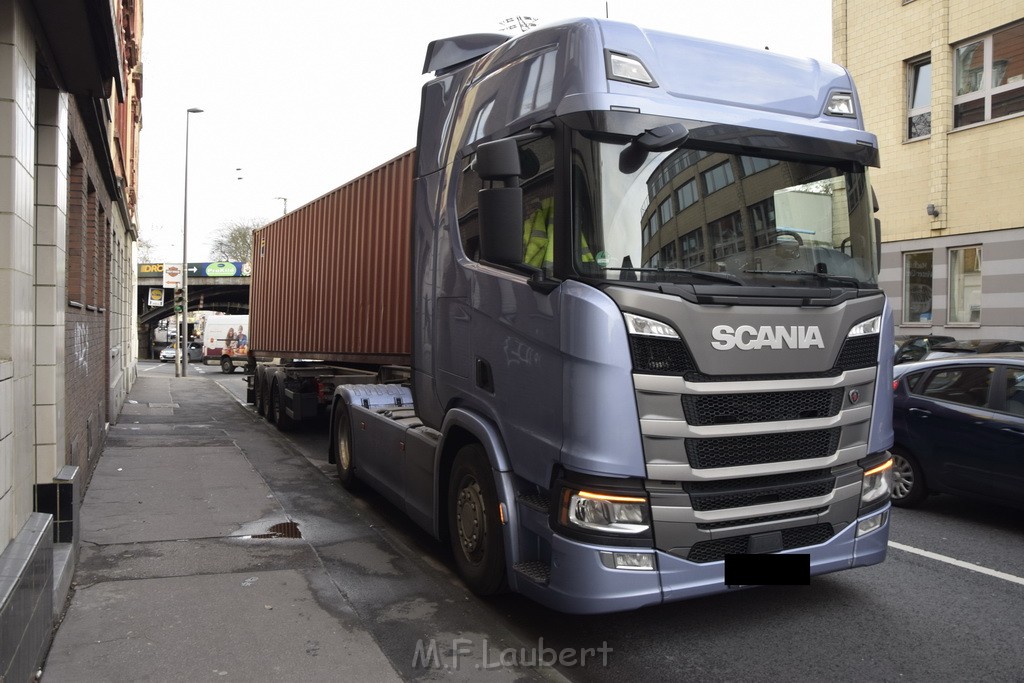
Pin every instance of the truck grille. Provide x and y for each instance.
(758, 449)
(708, 526)
(773, 406)
(797, 537)
(775, 488)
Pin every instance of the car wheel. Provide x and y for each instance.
(343, 458)
(473, 524)
(908, 485)
(226, 365)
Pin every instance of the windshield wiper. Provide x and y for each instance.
(671, 273)
(823, 277)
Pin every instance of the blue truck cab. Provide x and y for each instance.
(651, 359)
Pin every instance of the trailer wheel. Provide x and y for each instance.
(260, 384)
(271, 400)
(342, 435)
(281, 419)
(227, 366)
(473, 522)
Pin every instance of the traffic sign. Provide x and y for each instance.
(156, 296)
(172, 275)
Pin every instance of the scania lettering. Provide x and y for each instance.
(746, 337)
(614, 323)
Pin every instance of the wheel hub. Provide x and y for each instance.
(469, 512)
(903, 477)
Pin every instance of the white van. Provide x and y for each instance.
(226, 341)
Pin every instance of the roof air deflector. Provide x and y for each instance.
(447, 53)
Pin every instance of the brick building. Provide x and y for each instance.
(70, 89)
(941, 83)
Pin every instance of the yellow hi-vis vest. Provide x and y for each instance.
(539, 239)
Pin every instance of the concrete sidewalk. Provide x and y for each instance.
(186, 570)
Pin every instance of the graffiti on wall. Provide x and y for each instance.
(80, 350)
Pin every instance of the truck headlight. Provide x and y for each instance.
(877, 484)
(604, 512)
(870, 326)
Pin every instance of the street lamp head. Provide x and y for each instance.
(195, 110)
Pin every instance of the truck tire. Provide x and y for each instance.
(260, 382)
(281, 419)
(343, 457)
(473, 523)
(227, 366)
(908, 484)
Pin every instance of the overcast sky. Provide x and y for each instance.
(304, 95)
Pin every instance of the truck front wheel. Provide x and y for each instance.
(473, 522)
(343, 447)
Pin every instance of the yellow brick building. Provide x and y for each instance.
(941, 83)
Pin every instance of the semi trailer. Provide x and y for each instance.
(612, 329)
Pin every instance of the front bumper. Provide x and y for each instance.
(580, 583)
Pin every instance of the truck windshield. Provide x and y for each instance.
(694, 216)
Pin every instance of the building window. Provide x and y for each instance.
(989, 77)
(727, 235)
(668, 256)
(965, 285)
(718, 177)
(692, 247)
(651, 229)
(919, 100)
(686, 195)
(917, 287)
(752, 165)
(665, 211)
(677, 162)
(762, 217)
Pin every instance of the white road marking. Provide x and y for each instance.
(958, 563)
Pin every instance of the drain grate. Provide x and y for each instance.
(281, 530)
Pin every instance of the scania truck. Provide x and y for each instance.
(649, 358)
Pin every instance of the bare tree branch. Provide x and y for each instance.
(233, 242)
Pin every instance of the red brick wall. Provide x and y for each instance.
(87, 316)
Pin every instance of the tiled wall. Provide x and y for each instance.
(17, 267)
(26, 599)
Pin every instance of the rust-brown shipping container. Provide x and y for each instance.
(330, 280)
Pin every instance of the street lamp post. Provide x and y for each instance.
(183, 336)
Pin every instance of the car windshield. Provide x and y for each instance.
(693, 216)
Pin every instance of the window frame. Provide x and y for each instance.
(711, 174)
(906, 284)
(914, 67)
(985, 90)
(952, 282)
(682, 194)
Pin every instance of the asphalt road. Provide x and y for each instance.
(946, 605)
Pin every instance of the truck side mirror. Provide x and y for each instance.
(501, 225)
(501, 208)
(498, 160)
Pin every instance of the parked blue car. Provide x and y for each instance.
(959, 428)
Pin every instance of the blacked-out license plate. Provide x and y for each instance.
(768, 570)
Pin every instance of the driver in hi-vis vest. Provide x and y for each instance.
(538, 237)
